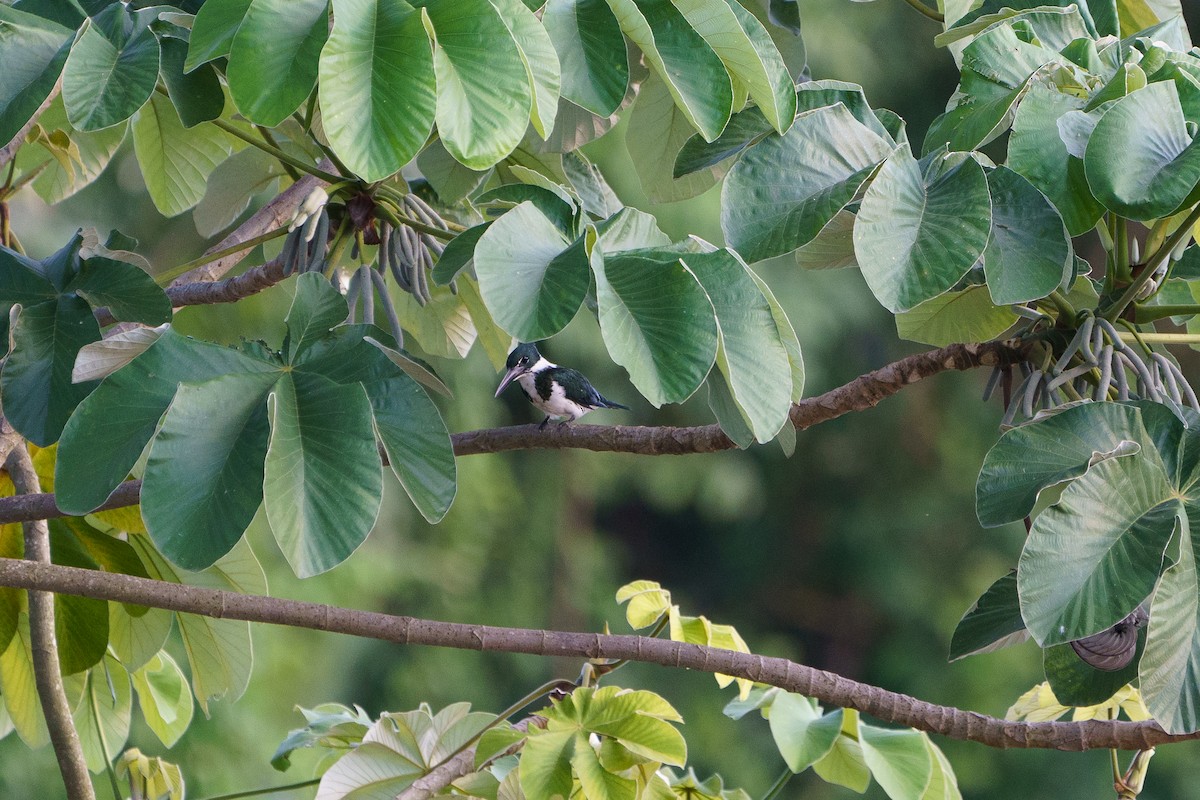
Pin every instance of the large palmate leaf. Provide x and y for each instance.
(301, 438)
(484, 95)
(656, 320)
(381, 48)
(112, 69)
(273, 57)
(591, 53)
(1141, 160)
(196, 95)
(785, 189)
(532, 277)
(694, 74)
(919, 230)
(32, 53)
(540, 59)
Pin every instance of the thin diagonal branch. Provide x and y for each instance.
(865, 391)
(827, 687)
(46, 666)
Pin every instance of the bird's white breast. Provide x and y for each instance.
(557, 405)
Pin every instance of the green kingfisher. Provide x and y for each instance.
(558, 391)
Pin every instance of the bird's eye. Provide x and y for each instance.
(524, 360)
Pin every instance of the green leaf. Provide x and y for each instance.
(1141, 161)
(753, 357)
(844, 764)
(108, 432)
(785, 189)
(164, 698)
(540, 59)
(381, 48)
(36, 382)
(175, 161)
(694, 74)
(18, 687)
(992, 622)
(32, 53)
(218, 650)
(801, 733)
(745, 128)
(103, 714)
(657, 130)
(136, 638)
(943, 784)
(203, 483)
(1077, 683)
(585, 178)
(231, 187)
(898, 759)
(323, 481)
(546, 763)
(127, 291)
(966, 316)
(111, 71)
(1029, 254)
(216, 23)
(1173, 643)
(484, 97)
(725, 409)
(273, 57)
(1027, 459)
(656, 320)
(648, 601)
(66, 172)
(1092, 557)
(919, 232)
(450, 179)
(532, 278)
(591, 53)
(196, 95)
(316, 307)
(80, 623)
(328, 723)
(746, 49)
(1036, 150)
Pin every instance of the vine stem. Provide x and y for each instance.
(1152, 262)
(298, 163)
(173, 273)
(779, 783)
(1152, 313)
(271, 790)
(936, 16)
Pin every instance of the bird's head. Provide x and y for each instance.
(520, 361)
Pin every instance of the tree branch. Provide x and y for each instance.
(47, 671)
(864, 392)
(827, 687)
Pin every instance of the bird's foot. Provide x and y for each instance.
(542, 427)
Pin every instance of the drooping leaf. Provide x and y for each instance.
(164, 698)
(273, 57)
(1141, 161)
(381, 48)
(1173, 643)
(786, 188)
(802, 734)
(196, 95)
(175, 161)
(656, 320)
(591, 53)
(484, 96)
(532, 278)
(32, 53)
(966, 316)
(694, 74)
(103, 714)
(992, 622)
(899, 760)
(540, 58)
(1029, 254)
(127, 291)
(112, 69)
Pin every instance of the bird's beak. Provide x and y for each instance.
(509, 377)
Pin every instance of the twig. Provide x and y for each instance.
(827, 687)
(936, 16)
(46, 666)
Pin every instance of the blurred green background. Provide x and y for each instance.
(857, 555)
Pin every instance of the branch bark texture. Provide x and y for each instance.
(46, 666)
(827, 687)
(864, 392)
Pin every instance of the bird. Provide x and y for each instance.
(558, 391)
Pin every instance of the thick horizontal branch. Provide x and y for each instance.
(827, 687)
(865, 391)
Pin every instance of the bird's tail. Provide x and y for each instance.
(606, 403)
